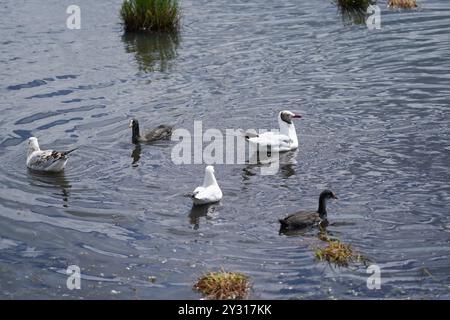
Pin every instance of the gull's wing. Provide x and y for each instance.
(272, 139)
(47, 159)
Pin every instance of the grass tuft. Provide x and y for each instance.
(354, 4)
(337, 253)
(223, 285)
(403, 4)
(150, 15)
(354, 11)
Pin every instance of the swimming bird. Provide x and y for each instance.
(284, 140)
(210, 191)
(159, 133)
(45, 160)
(304, 219)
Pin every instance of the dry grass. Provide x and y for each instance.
(403, 4)
(223, 285)
(150, 15)
(338, 253)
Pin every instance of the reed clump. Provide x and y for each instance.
(337, 253)
(150, 15)
(354, 11)
(403, 4)
(223, 285)
(354, 4)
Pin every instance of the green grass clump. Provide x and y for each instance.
(354, 4)
(151, 15)
(354, 11)
(403, 4)
(353, 16)
(337, 253)
(223, 285)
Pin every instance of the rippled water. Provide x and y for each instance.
(375, 130)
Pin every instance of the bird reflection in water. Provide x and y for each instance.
(199, 211)
(136, 155)
(287, 162)
(283, 162)
(52, 181)
(322, 226)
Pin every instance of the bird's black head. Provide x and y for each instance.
(328, 194)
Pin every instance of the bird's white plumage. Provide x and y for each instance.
(284, 140)
(44, 160)
(210, 191)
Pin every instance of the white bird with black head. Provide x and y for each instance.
(284, 140)
(45, 160)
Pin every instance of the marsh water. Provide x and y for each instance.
(375, 130)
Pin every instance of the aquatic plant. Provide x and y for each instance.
(354, 4)
(353, 16)
(354, 11)
(223, 285)
(150, 15)
(337, 253)
(403, 4)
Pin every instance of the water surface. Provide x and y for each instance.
(375, 130)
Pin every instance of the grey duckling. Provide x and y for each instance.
(161, 132)
(304, 219)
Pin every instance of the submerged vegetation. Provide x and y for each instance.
(403, 4)
(223, 285)
(337, 253)
(150, 15)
